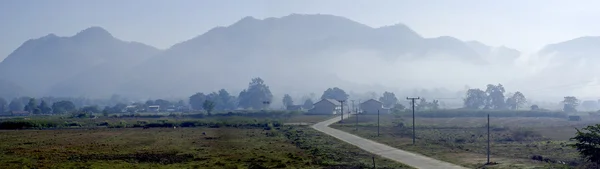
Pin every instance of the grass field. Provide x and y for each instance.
(463, 140)
(182, 147)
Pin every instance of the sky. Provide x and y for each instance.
(523, 25)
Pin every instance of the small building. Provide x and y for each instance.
(154, 108)
(20, 113)
(371, 106)
(294, 108)
(326, 106)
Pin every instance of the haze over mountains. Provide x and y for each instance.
(295, 54)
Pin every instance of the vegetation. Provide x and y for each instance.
(334, 93)
(588, 143)
(517, 142)
(216, 142)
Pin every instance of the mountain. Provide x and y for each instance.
(297, 48)
(502, 54)
(291, 53)
(88, 63)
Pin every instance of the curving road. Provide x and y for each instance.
(404, 157)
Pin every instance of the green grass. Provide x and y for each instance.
(227, 146)
(463, 140)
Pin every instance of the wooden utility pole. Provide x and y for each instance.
(413, 112)
(488, 138)
(342, 104)
(377, 123)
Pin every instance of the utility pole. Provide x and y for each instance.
(413, 112)
(488, 138)
(342, 103)
(377, 123)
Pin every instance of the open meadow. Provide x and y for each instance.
(233, 141)
(516, 142)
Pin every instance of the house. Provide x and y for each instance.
(130, 108)
(154, 108)
(294, 108)
(326, 106)
(20, 113)
(371, 106)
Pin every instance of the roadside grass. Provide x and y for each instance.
(516, 142)
(247, 145)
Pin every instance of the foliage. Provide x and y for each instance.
(570, 104)
(515, 101)
(475, 99)
(334, 93)
(208, 105)
(197, 100)
(495, 99)
(287, 100)
(63, 107)
(44, 108)
(31, 106)
(588, 143)
(308, 104)
(15, 105)
(388, 99)
(534, 107)
(451, 113)
(255, 95)
(3, 105)
(91, 109)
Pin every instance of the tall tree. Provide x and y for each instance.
(388, 99)
(287, 100)
(570, 104)
(91, 109)
(197, 100)
(15, 105)
(64, 106)
(334, 93)
(422, 104)
(520, 99)
(256, 95)
(163, 103)
(495, 99)
(308, 104)
(435, 105)
(45, 108)
(31, 105)
(3, 105)
(475, 99)
(227, 101)
(208, 105)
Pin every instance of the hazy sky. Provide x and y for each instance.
(524, 25)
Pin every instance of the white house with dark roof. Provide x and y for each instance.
(326, 106)
(371, 106)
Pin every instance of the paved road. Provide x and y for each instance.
(404, 157)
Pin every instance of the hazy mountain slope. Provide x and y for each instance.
(73, 63)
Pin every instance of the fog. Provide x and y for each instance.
(298, 54)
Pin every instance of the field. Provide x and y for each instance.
(238, 142)
(516, 142)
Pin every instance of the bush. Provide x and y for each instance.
(27, 124)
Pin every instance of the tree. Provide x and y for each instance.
(588, 143)
(163, 103)
(3, 105)
(519, 100)
(334, 93)
(388, 99)
(535, 107)
(197, 100)
(287, 100)
(117, 108)
(495, 99)
(226, 101)
(308, 104)
(255, 95)
(398, 108)
(63, 107)
(570, 104)
(31, 106)
(422, 104)
(15, 105)
(45, 108)
(208, 106)
(150, 103)
(435, 104)
(91, 109)
(475, 99)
